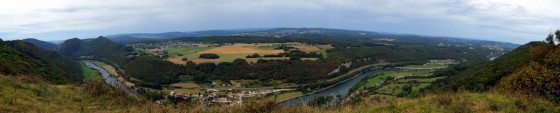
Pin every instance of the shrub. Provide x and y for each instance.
(209, 56)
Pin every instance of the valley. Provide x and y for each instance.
(292, 71)
(279, 56)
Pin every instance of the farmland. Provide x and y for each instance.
(230, 52)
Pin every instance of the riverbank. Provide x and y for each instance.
(340, 85)
(112, 80)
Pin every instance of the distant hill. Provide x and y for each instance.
(99, 48)
(22, 58)
(143, 37)
(306, 32)
(41, 44)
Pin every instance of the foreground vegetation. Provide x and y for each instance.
(30, 94)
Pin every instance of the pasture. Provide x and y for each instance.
(288, 96)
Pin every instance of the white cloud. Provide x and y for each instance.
(506, 20)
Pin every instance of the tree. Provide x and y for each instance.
(239, 61)
(209, 56)
(550, 39)
(190, 64)
(558, 35)
(185, 59)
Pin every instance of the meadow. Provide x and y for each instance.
(393, 82)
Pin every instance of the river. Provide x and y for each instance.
(111, 80)
(340, 89)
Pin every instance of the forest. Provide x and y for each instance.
(21, 58)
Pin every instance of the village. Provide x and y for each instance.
(219, 96)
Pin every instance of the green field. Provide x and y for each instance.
(288, 95)
(89, 73)
(325, 47)
(192, 52)
(381, 76)
(431, 66)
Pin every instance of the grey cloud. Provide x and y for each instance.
(500, 20)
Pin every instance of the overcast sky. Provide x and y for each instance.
(517, 21)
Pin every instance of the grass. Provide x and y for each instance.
(382, 75)
(391, 89)
(31, 94)
(89, 73)
(288, 95)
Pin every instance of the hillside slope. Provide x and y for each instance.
(41, 44)
(22, 58)
(481, 76)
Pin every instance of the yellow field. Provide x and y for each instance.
(185, 85)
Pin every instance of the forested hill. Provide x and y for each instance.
(99, 48)
(533, 69)
(482, 75)
(22, 58)
(41, 44)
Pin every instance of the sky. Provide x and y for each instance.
(516, 21)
